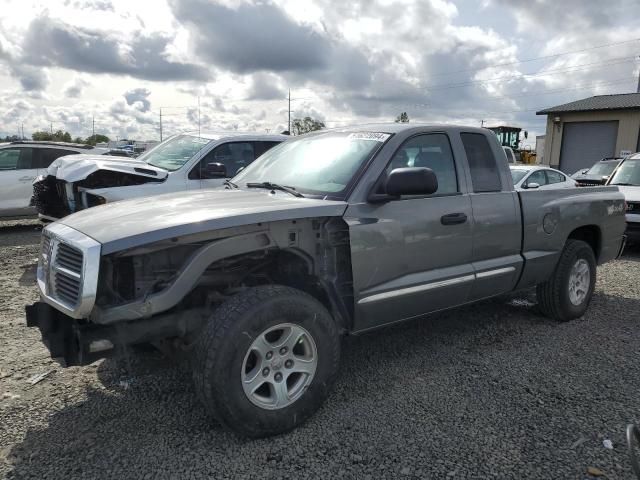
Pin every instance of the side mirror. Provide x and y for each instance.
(411, 181)
(532, 185)
(216, 170)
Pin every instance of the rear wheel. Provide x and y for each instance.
(266, 360)
(567, 294)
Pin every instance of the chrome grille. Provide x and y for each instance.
(69, 258)
(68, 270)
(67, 287)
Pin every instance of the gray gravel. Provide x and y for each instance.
(488, 391)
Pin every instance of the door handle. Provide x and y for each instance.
(453, 218)
(26, 179)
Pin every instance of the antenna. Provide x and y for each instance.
(198, 116)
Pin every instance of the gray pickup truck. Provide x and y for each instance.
(328, 234)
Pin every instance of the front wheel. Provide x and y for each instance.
(266, 360)
(567, 294)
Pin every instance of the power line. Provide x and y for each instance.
(545, 57)
(606, 63)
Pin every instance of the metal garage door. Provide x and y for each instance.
(584, 143)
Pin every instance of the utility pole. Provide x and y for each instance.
(289, 130)
(22, 130)
(160, 123)
(638, 89)
(198, 116)
(51, 126)
(93, 121)
(482, 123)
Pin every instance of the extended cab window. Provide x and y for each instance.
(233, 156)
(16, 159)
(431, 151)
(485, 175)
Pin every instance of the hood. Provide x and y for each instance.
(631, 194)
(140, 221)
(73, 168)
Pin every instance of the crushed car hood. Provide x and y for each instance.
(73, 168)
(131, 223)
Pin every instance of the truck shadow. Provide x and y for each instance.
(631, 253)
(143, 413)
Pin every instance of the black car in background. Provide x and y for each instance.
(598, 174)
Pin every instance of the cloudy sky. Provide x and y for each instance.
(65, 62)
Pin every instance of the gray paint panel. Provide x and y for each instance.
(131, 223)
(584, 143)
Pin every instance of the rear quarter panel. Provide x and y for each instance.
(550, 216)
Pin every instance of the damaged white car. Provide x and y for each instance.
(182, 162)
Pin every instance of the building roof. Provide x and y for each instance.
(621, 101)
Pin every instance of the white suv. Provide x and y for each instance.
(20, 163)
(183, 162)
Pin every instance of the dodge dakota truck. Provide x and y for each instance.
(328, 234)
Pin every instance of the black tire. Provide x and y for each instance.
(553, 295)
(225, 340)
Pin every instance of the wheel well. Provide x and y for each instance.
(589, 234)
(295, 271)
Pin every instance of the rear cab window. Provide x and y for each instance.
(485, 175)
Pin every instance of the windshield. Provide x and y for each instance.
(173, 153)
(602, 168)
(517, 175)
(320, 164)
(628, 173)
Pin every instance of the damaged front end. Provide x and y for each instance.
(68, 185)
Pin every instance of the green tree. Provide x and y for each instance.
(97, 138)
(78, 140)
(42, 136)
(402, 118)
(300, 126)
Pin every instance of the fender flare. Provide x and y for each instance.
(186, 278)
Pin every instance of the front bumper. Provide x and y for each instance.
(80, 342)
(61, 335)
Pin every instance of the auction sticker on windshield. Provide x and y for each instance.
(378, 137)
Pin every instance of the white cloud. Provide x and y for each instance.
(364, 60)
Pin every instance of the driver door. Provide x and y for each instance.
(412, 255)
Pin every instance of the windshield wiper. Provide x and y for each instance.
(229, 183)
(625, 184)
(275, 186)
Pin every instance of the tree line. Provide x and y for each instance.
(59, 136)
(299, 126)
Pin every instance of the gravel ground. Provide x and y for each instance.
(489, 391)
